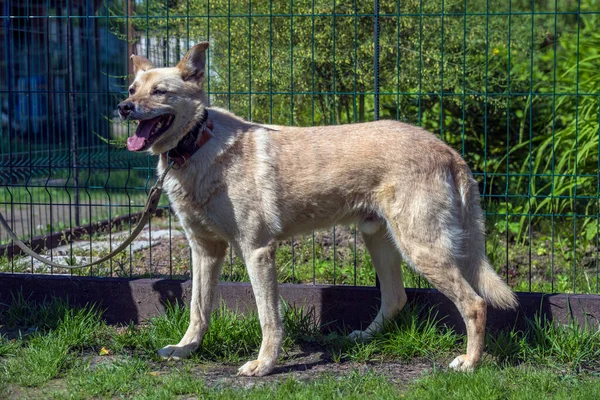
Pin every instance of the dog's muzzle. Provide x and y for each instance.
(125, 109)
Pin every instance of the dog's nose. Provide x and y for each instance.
(125, 108)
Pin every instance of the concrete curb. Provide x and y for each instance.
(137, 300)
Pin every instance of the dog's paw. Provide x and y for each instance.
(359, 336)
(256, 368)
(176, 352)
(462, 363)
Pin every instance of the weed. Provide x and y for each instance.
(569, 346)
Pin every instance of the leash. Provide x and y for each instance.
(149, 210)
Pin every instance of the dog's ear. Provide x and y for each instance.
(192, 66)
(140, 63)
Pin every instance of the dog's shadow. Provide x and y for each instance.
(308, 359)
(319, 355)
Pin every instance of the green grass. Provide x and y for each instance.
(49, 350)
(492, 382)
(54, 350)
(414, 333)
(8, 347)
(122, 377)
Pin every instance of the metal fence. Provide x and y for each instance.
(513, 85)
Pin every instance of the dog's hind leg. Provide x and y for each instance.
(430, 245)
(263, 277)
(386, 259)
(207, 258)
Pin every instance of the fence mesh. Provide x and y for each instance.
(513, 85)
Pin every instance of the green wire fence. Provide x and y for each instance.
(512, 85)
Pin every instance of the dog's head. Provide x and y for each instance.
(165, 101)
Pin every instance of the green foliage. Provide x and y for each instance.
(355, 385)
(560, 170)
(231, 337)
(300, 324)
(509, 347)
(177, 384)
(306, 257)
(304, 69)
(418, 333)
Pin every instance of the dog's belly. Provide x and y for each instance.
(366, 222)
(323, 203)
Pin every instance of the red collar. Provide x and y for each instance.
(191, 143)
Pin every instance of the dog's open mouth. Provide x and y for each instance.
(148, 131)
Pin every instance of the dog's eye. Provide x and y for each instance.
(158, 92)
(131, 91)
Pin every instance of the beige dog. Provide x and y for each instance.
(251, 185)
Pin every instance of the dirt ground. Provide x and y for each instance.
(304, 369)
(309, 367)
(398, 373)
(302, 364)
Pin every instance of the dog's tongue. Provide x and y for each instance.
(138, 141)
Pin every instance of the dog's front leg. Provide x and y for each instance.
(263, 276)
(207, 258)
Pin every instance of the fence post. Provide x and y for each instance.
(73, 112)
(129, 11)
(11, 114)
(376, 76)
(376, 60)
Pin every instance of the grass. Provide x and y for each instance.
(493, 382)
(414, 333)
(55, 350)
(48, 351)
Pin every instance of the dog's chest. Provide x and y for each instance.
(191, 200)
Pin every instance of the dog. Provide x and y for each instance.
(251, 185)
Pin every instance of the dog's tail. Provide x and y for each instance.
(476, 268)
